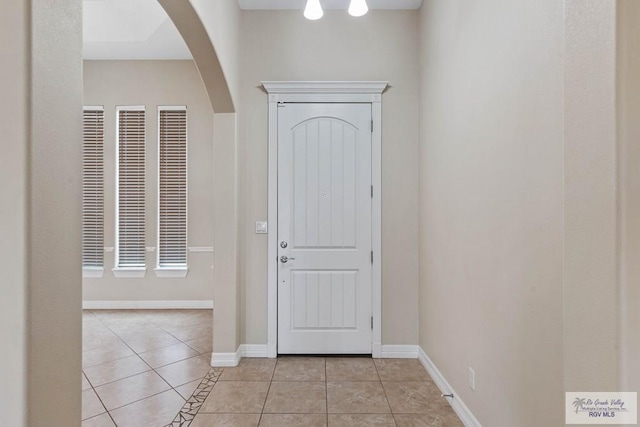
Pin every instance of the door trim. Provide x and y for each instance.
(329, 92)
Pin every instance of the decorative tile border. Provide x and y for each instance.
(193, 404)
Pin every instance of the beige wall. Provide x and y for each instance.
(491, 208)
(221, 19)
(590, 289)
(14, 126)
(629, 187)
(282, 45)
(154, 83)
(200, 41)
(226, 298)
(54, 279)
(40, 79)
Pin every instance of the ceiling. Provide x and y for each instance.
(141, 29)
(130, 29)
(328, 4)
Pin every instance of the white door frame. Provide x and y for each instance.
(329, 92)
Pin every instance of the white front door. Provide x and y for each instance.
(324, 229)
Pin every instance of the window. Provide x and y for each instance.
(172, 190)
(93, 191)
(130, 192)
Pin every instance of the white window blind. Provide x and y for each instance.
(93, 188)
(130, 188)
(172, 187)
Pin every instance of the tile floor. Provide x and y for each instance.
(319, 391)
(141, 368)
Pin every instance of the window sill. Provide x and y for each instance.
(92, 272)
(175, 272)
(129, 272)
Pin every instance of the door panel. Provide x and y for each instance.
(324, 217)
(323, 299)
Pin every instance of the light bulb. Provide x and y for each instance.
(313, 10)
(358, 8)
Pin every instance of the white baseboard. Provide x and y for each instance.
(463, 412)
(399, 352)
(142, 305)
(262, 350)
(220, 360)
(254, 350)
(225, 360)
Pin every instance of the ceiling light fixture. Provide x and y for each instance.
(358, 8)
(313, 10)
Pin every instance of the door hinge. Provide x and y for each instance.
(372, 191)
(371, 322)
(371, 125)
(371, 257)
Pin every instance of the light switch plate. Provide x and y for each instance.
(261, 227)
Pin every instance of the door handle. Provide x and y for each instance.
(284, 259)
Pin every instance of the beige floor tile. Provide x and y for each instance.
(155, 411)
(186, 390)
(112, 313)
(351, 369)
(167, 355)
(236, 397)
(293, 420)
(201, 345)
(129, 327)
(91, 405)
(131, 389)
(85, 383)
(91, 341)
(146, 341)
(296, 398)
(103, 420)
(250, 370)
(361, 420)
(95, 327)
(185, 371)
(190, 332)
(300, 369)
(115, 370)
(105, 354)
(366, 397)
(414, 397)
(445, 419)
(225, 420)
(401, 370)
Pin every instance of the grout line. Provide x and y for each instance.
(268, 390)
(123, 378)
(139, 400)
(385, 393)
(101, 402)
(102, 363)
(100, 399)
(326, 390)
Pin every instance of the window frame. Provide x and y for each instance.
(172, 271)
(118, 270)
(95, 272)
